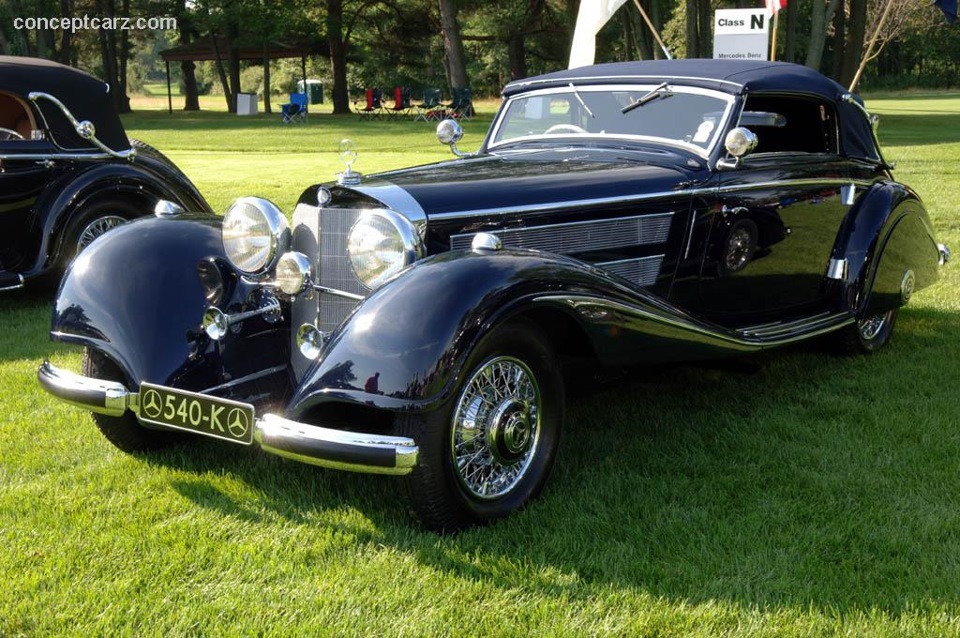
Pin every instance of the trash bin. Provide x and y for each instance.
(246, 103)
(314, 90)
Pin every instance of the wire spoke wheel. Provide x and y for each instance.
(97, 227)
(496, 427)
(488, 450)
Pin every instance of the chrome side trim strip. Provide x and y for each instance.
(43, 157)
(588, 306)
(644, 197)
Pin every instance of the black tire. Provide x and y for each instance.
(867, 335)
(516, 437)
(125, 432)
(96, 218)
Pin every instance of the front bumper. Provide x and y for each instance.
(326, 447)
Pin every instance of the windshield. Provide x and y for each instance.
(680, 116)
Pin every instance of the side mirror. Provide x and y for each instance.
(450, 132)
(739, 142)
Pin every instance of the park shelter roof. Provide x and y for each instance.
(205, 51)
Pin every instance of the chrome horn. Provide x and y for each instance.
(216, 322)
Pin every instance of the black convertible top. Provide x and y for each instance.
(87, 98)
(736, 77)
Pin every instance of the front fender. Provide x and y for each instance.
(404, 346)
(138, 294)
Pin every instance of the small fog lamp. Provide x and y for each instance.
(294, 272)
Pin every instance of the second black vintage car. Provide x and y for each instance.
(420, 322)
(68, 173)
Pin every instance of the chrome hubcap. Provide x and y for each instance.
(870, 327)
(96, 228)
(496, 428)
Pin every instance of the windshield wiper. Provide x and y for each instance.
(662, 91)
(586, 108)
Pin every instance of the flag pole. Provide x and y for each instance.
(873, 41)
(773, 45)
(653, 29)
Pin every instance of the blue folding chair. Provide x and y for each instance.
(295, 110)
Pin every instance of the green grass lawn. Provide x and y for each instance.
(819, 496)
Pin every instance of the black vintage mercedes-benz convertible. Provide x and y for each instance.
(68, 172)
(419, 322)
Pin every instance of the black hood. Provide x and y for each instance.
(533, 179)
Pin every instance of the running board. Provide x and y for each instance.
(825, 322)
(675, 324)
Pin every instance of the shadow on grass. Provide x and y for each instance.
(817, 481)
(25, 321)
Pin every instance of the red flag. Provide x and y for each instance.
(775, 5)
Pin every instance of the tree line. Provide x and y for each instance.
(481, 44)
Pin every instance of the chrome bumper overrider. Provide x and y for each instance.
(326, 447)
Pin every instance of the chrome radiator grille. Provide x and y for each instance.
(334, 266)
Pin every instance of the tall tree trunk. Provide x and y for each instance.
(234, 58)
(191, 92)
(706, 22)
(516, 56)
(822, 16)
(338, 57)
(123, 54)
(789, 49)
(693, 38)
(839, 43)
(266, 78)
(456, 59)
(856, 35)
(66, 35)
(222, 73)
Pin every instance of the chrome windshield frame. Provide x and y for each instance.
(491, 143)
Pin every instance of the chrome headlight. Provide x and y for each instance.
(380, 245)
(254, 233)
(294, 272)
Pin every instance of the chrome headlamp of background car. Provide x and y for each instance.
(294, 273)
(254, 233)
(382, 243)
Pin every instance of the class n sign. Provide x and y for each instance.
(741, 34)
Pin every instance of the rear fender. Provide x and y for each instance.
(139, 293)
(61, 207)
(886, 238)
